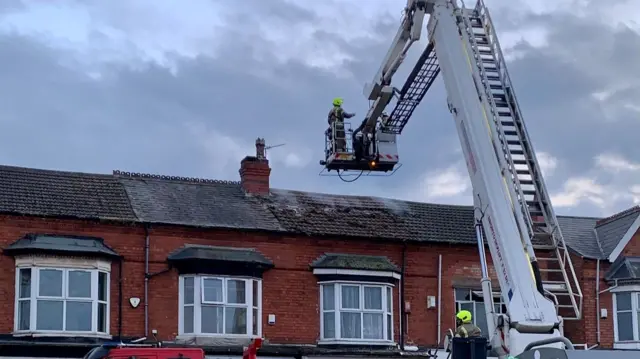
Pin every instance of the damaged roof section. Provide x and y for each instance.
(53, 243)
(360, 216)
(353, 261)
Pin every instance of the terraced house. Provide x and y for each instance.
(89, 258)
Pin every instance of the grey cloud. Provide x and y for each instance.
(137, 118)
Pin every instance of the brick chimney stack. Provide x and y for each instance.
(255, 171)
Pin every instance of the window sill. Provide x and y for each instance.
(36, 334)
(382, 343)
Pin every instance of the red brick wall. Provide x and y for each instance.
(289, 282)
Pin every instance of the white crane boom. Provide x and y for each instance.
(512, 206)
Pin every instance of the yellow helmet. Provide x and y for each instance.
(337, 101)
(464, 316)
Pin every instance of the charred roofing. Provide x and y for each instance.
(134, 197)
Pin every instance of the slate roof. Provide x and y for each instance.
(60, 243)
(214, 253)
(194, 202)
(354, 261)
(29, 191)
(222, 204)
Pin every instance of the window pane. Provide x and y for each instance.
(389, 300)
(462, 295)
(235, 320)
(255, 293)
(25, 283)
(212, 319)
(623, 301)
(236, 292)
(255, 321)
(373, 298)
(102, 286)
(625, 326)
(79, 284)
(50, 283)
(78, 316)
(329, 325)
(24, 314)
(350, 297)
(497, 308)
(328, 299)
(212, 289)
(102, 317)
(372, 326)
(350, 325)
(188, 290)
(389, 326)
(49, 315)
(188, 319)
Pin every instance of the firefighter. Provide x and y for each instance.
(465, 328)
(336, 122)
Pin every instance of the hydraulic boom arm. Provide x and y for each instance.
(513, 209)
(380, 90)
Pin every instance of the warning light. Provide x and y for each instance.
(372, 164)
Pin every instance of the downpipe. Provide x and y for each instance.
(439, 299)
(146, 280)
(597, 304)
(403, 309)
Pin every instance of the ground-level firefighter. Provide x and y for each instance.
(337, 116)
(465, 328)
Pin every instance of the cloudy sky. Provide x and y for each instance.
(184, 88)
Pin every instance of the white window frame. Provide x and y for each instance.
(36, 263)
(634, 343)
(199, 301)
(388, 315)
(497, 302)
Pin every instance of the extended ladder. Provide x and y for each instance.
(414, 89)
(558, 275)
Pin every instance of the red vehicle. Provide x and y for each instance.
(123, 351)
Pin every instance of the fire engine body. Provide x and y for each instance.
(512, 206)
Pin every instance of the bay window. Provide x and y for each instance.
(220, 306)
(356, 312)
(66, 300)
